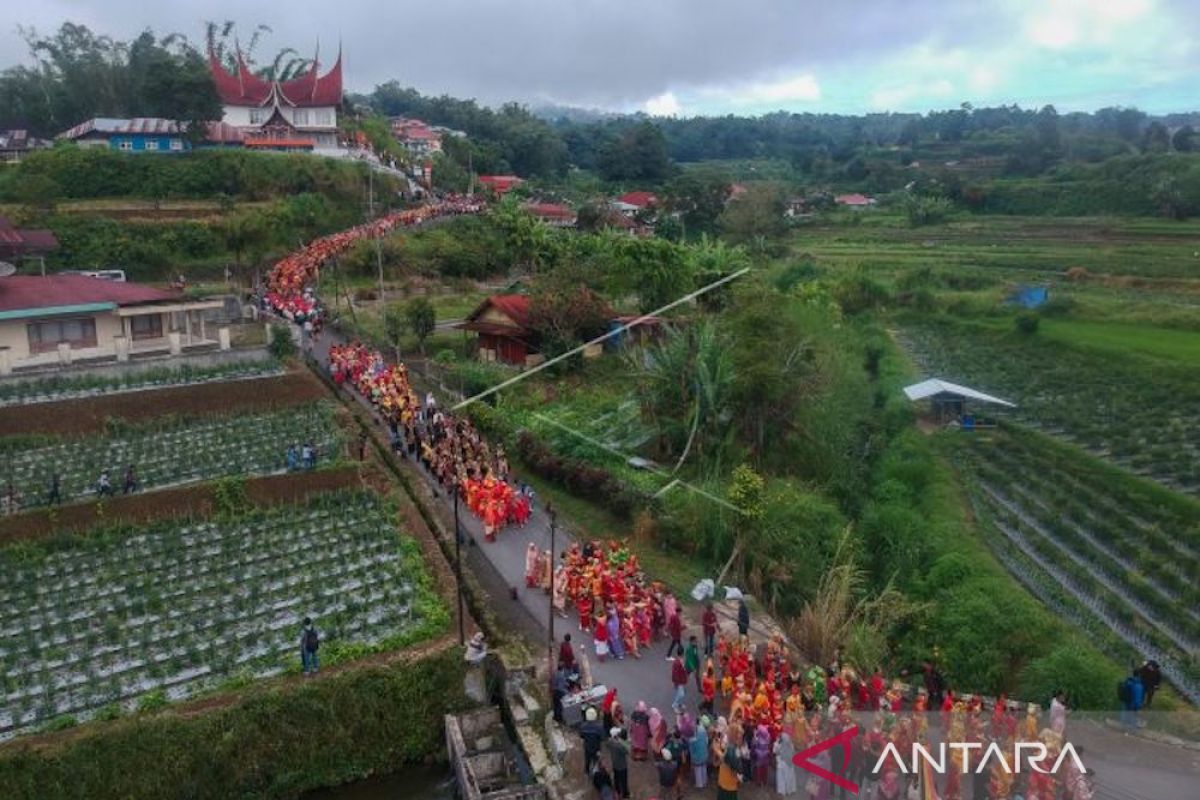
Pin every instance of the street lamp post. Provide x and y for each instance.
(462, 623)
(550, 644)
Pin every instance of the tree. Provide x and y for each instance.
(1172, 201)
(565, 312)
(244, 231)
(922, 211)
(755, 217)
(699, 195)
(746, 492)
(638, 155)
(422, 319)
(1184, 140)
(395, 323)
(1156, 138)
(38, 193)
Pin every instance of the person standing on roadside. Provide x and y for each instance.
(709, 622)
(54, 493)
(310, 642)
(131, 481)
(618, 754)
(743, 618)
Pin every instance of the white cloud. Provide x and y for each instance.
(1061, 24)
(663, 105)
(798, 89)
(910, 96)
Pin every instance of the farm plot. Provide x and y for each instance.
(73, 387)
(1104, 553)
(175, 452)
(175, 609)
(1142, 416)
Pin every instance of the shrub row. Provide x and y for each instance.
(273, 742)
(580, 478)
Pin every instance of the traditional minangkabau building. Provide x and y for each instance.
(296, 114)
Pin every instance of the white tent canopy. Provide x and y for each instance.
(937, 386)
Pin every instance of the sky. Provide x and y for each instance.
(689, 57)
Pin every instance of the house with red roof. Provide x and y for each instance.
(56, 320)
(639, 200)
(556, 215)
(504, 334)
(500, 184)
(17, 243)
(857, 201)
(301, 111)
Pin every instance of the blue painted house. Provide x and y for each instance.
(138, 135)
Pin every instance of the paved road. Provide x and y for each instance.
(1126, 768)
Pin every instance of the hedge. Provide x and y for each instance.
(276, 742)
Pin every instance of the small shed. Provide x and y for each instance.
(502, 324)
(949, 401)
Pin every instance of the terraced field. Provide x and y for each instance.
(170, 452)
(1117, 556)
(150, 614)
(1142, 414)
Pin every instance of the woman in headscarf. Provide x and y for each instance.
(761, 751)
(698, 753)
(785, 770)
(639, 731)
(532, 564)
(658, 731)
(728, 772)
(614, 635)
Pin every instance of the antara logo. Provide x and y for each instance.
(1031, 753)
(843, 739)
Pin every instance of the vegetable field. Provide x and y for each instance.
(167, 452)
(1141, 414)
(71, 387)
(1119, 557)
(139, 616)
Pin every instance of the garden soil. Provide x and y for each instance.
(90, 415)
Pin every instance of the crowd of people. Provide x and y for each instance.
(449, 447)
(289, 290)
(756, 707)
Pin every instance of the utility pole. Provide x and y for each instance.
(378, 249)
(550, 644)
(462, 629)
(470, 174)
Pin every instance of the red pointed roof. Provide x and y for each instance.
(305, 91)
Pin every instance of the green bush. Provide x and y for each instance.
(274, 742)
(1027, 323)
(1088, 681)
(281, 345)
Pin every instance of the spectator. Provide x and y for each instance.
(292, 458)
(310, 643)
(743, 617)
(566, 654)
(11, 504)
(668, 776)
(618, 753)
(131, 481)
(1132, 694)
(709, 623)
(559, 687)
(362, 446)
(476, 649)
(1058, 712)
(935, 685)
(308, 454)
(679, 678)
(592, 733)
(54, 493)
(691, 660)
(104, 487)
(1151, 677)
(698, 752)
(675, 631)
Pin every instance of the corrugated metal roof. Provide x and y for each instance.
(32, 292)
(936, 386)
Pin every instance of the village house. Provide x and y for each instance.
(415, 136)
(56, 320)
(16, 144)
(556, 215)
(504, 334)
(296, 114)
(500, 185)
(20, 243)
(854, 201)
(137, 135)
